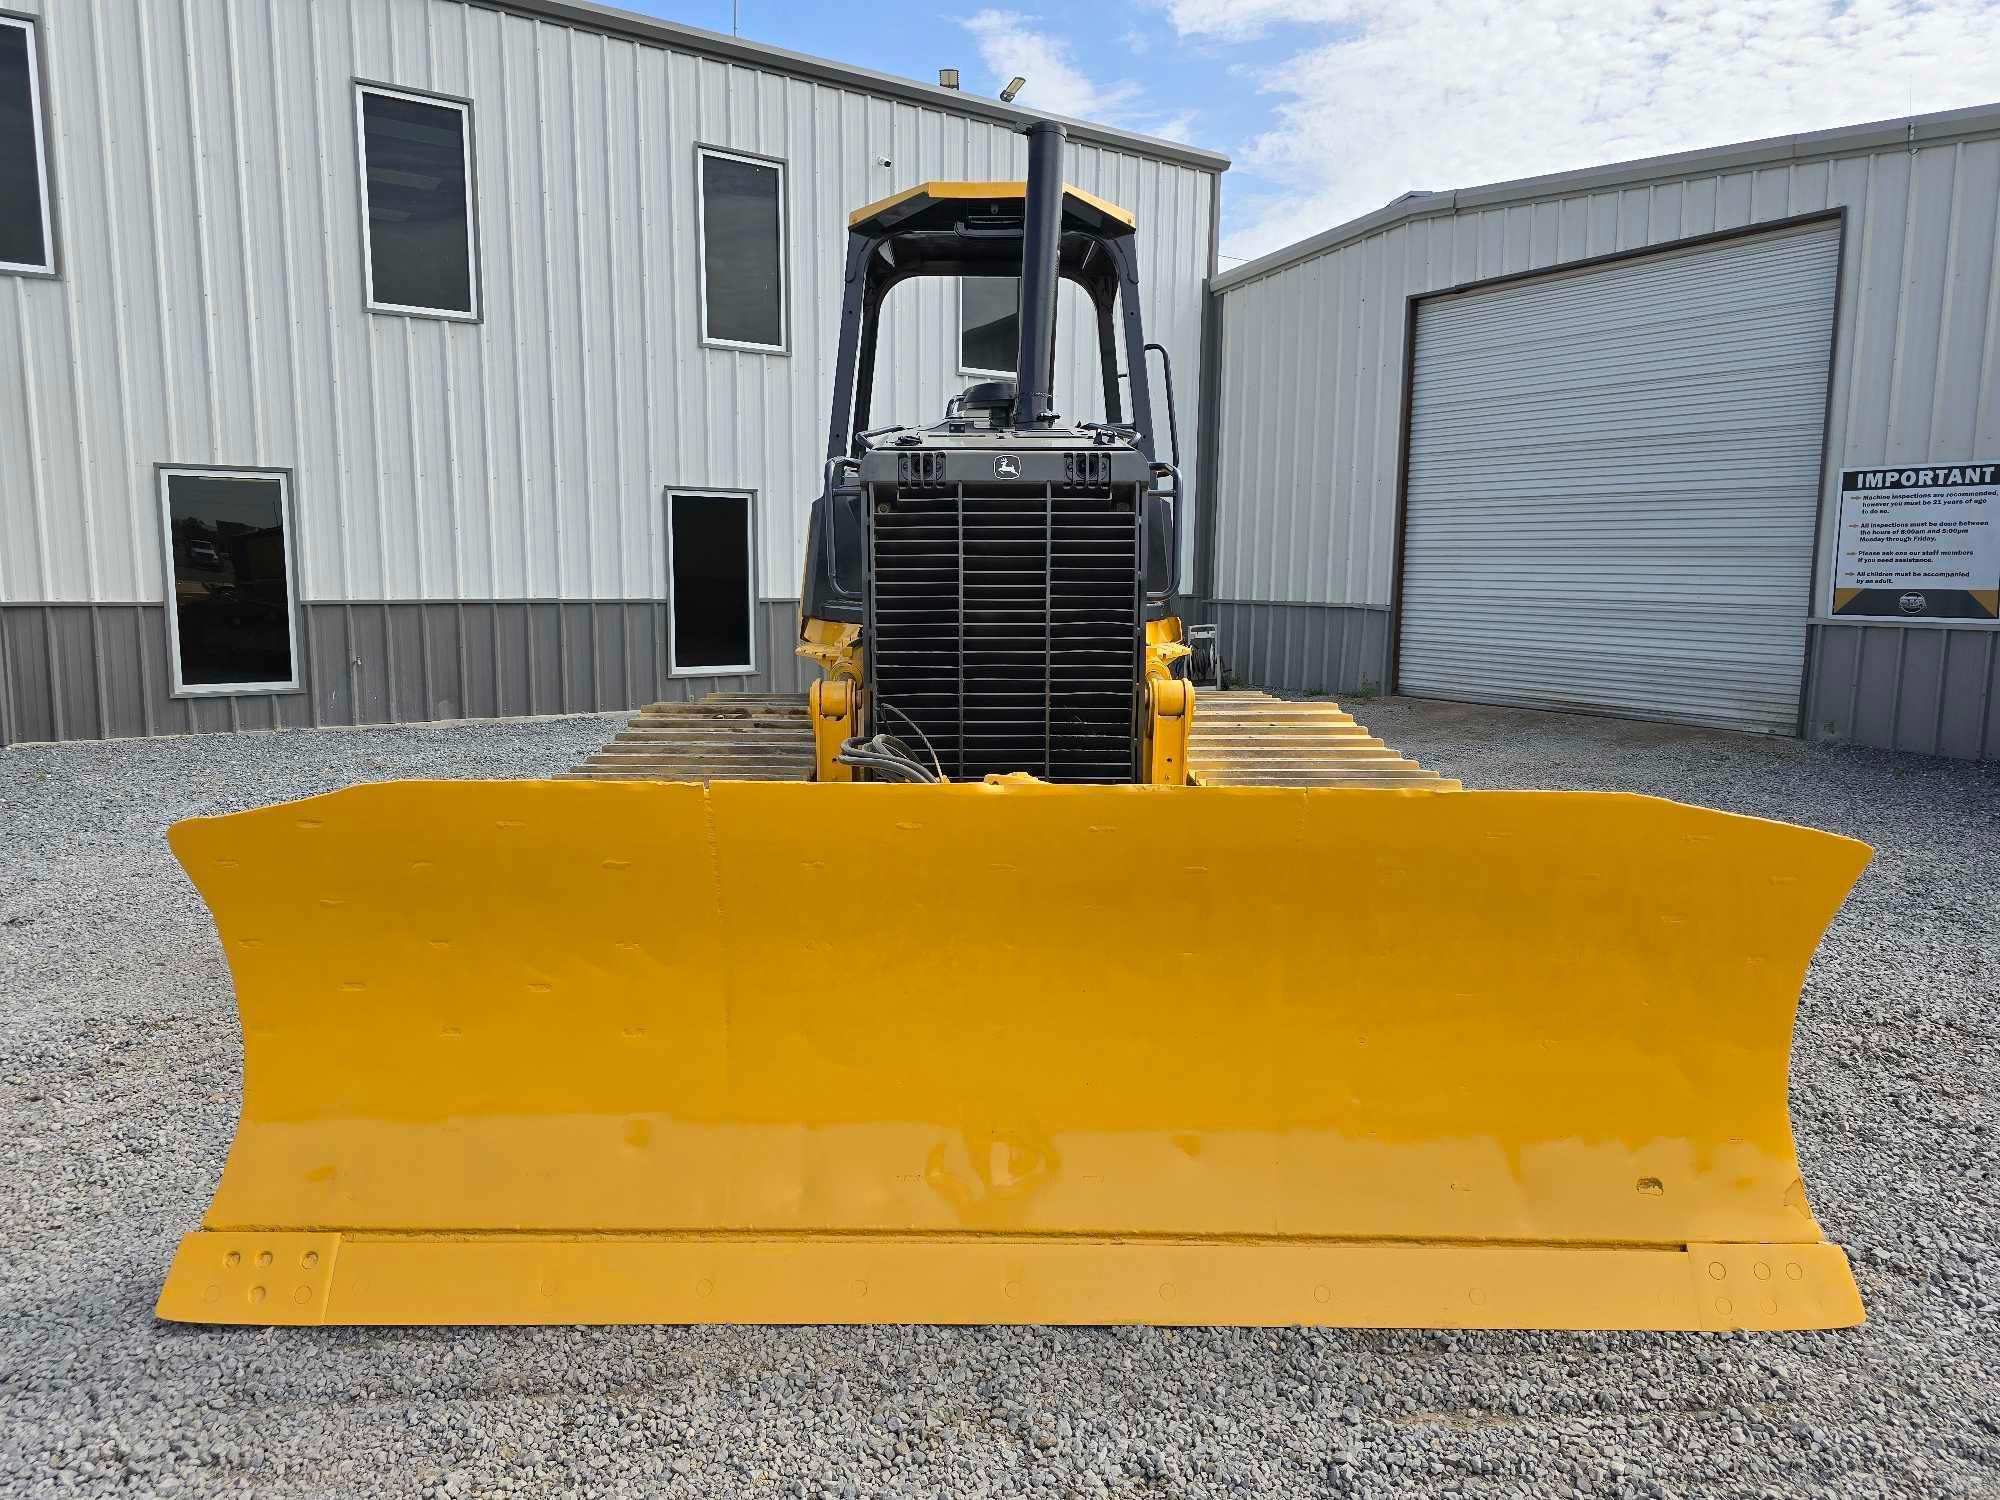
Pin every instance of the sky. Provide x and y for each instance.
(1331, 108)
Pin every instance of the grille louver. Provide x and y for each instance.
(1007, 624)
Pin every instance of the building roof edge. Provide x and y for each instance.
(672, 34)
(1911, 130)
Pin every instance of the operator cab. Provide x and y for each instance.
(978, 229)
(1001, 564)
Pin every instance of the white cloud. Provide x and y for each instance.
(1015, 45)
(1239, 20)
(1451, 93)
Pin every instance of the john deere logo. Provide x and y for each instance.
(1006, 466)
(1912, 604)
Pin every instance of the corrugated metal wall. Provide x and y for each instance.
(1931, 689)
(210, 308)
(1311, 357)
(99, 671)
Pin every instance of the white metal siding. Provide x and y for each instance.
(1613, 482)
(1311, 357)
(210, 308)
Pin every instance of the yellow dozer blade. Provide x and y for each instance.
(574, 1052)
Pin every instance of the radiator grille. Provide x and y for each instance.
(1007, 624)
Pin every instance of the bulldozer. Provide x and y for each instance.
(1007, 978)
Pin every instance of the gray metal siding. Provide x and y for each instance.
(1302, 648)
(1933, 690)
(1928, 690)
(1310, 360)
(1613, 480)
(96, 671)
(99, 671)
(211, 304)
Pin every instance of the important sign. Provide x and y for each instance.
(1919, 542)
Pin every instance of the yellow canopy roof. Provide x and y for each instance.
(924, 194)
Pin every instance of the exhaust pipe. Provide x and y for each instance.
(1041, 237)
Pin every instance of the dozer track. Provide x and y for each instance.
(1248, 738)
(722, 737)
(1241, 738)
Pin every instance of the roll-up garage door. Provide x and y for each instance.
(1613, 481)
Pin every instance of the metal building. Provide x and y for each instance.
(435, 358)
(1712, 438)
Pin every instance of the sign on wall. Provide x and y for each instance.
(1919, 542)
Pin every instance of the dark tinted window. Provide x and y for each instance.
(742, 251)
(231, 592)
(419, 248)
(24, 230)
(711, 582)
(989, 330)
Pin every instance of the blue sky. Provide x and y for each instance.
(1330, 108)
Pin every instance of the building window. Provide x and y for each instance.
(231, 614)
(742, 207)
(27, 223)
(711, 568)
(419, 249)
(989, 326)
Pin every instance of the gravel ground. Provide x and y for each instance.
(119, 1054)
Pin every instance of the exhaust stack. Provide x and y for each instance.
(1041, 237)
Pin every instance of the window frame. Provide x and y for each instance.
(729, 153)
(963, 367)
(712, 492)
(44, 123)
(165, 474)
(362, 88)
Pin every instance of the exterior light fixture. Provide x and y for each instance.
(947, 78)
(1014, 86)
